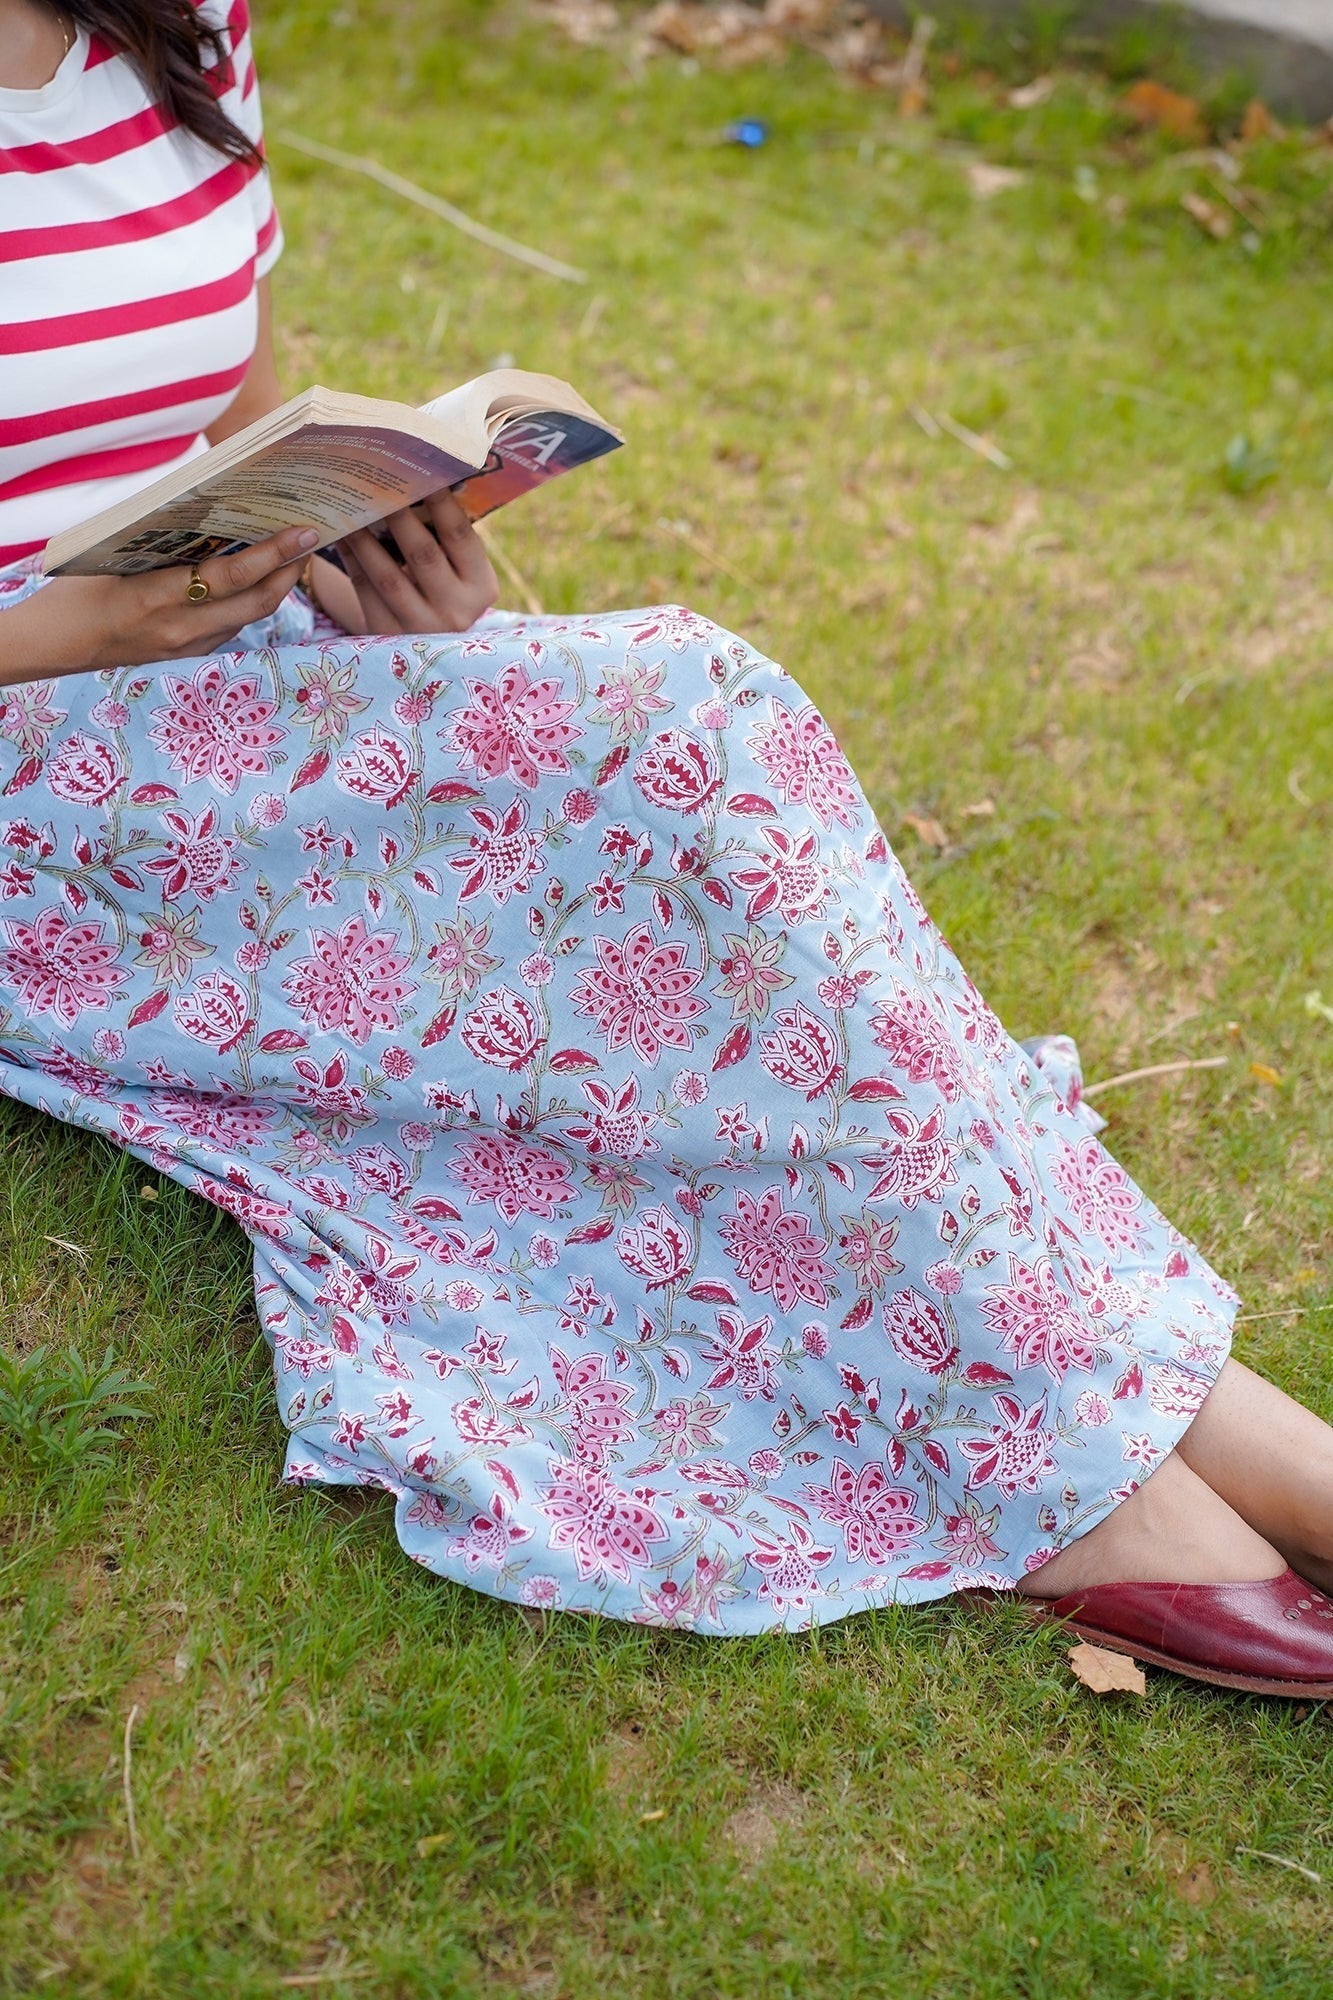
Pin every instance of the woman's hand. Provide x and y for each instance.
(443, 584)
(86, 622)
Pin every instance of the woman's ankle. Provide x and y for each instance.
(1174, 1529)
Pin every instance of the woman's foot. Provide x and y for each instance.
(1174, 1529)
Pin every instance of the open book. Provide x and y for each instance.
(335, 463)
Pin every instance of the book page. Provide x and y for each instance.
(331, 477)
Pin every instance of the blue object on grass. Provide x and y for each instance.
(747, 132)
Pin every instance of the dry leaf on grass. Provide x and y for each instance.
(1265, 1073)
(927, 829)
(1153, 104)
(986, 180)
(1029, 95)
(1212, 220)
(983, 809)
(1106, 1673)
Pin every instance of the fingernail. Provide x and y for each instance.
(308, 538)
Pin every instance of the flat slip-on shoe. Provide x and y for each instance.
(1270, 1637)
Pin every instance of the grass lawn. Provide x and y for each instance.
(1090, 697)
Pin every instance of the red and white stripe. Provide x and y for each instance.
(129, 254)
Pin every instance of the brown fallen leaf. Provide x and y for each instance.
(983, 809)
(1165, 110)
(1258, 122)
(1265, 1073)
(986, 180)
(1196, 1885)
(1029, 95)
(927, 829)
(1212, 220)
(1106, 1673)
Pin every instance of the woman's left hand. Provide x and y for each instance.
(443, 583)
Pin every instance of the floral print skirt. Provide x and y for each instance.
(640, 1192)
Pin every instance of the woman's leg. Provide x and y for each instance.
(1175, 1529)
(1272, 1461)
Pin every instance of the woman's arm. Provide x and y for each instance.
(259, 392)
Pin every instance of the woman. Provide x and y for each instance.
(639, 1190)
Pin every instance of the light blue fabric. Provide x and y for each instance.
(639, 1189)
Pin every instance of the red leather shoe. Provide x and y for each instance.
(1271, 1637)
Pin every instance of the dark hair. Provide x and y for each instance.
(167, 41)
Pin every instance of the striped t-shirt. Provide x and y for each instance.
(129, 253)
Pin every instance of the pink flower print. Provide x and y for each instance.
(840, 991)
(920, 1333)
(513, 727)
(1037, 1321)
(751, 972)
(1174, 1393)
(353, 982)
(490, 1537)
(801, 1051)
(579, 806)
(1100, 1194)
(788, 878)
(609, 1530)
(801, 755)
(1141, 1450)
(199, 861)
(607, 894)
(536, 969)
(267, 809)
(215, 1011)
(677, 772)
(171, 945)
(519, 1177)
(1092, 1410)
(540, 1593)
(1015, 1455)
(503, 855)
(67, 1068)
(378, 1170)
(28, 715)
(543, 1251)
(459, 959)
(398, 1064)
(502, 1030)
(16, 881)
(108, 1044)
(228, 1124)
(641, 994)
(627, 699)
(320, 890)
(919, 1042)
(946, 1279)
(252, 956)
(615, 1125)
(814, 1341)
(917, 1164)
(656, 1248)
(878, 1519)
(775, 1249)
(108, 713)
(689, 1086)
(326, 697)
(764, 1464)
(378, 767)
(414, 709)
(741, 1355)
(845, 1427)
(325, 1097)
(85, 771)
(217, 726)
(867, 1249)
(56, 967)
(968, 1534)
(789, 1568)
(593, 1406)
(686, 1427)
(385, 1279)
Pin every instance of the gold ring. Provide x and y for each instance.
(196, 589)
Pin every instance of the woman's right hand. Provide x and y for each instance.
(84, 623)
